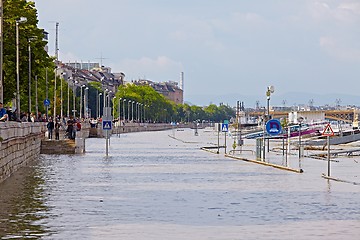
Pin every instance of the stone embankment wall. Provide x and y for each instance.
(19, 144)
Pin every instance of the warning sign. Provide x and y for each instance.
(224, 127)
(328, 131)
(106, 125)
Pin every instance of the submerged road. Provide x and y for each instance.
(153, 186)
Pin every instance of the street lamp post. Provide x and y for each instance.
(129, 102)
(108, 99)
(300, 119)
(99, 109)
(68, 97)
(61, 98)
(104, 100)
(144, 113)
(132, 111)
(120, 109)
(46, 94)
(81, 99)
(124, 110)
(20, 20)
(136, 111)
(36, 97)
(113, 107)
(141, 112)
(29, 76)
(86, 109)
(144, 116)
(270, 90)
(74, 95)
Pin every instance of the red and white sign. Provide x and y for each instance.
(328, 131)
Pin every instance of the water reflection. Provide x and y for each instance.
(23, 210)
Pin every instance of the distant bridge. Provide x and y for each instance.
(348, 115)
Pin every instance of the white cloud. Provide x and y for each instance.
(237, 21)
(337, 49)
(352, 7)
(157, 69)
(67, 57)
(197, 32)
(191, 29)
(209, 32)
(344, 12)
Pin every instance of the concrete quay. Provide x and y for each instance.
(65, 145)
(19, 144)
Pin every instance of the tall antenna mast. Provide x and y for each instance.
(101, 59)
(57, 42)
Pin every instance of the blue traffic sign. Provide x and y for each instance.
(273, 127)
(46, 102)
(106, 125)
(224, 127)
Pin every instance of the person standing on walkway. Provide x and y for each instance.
(50, 127)
(57, 130)
(3, 114)
(70, 128)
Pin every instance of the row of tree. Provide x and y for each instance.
(158, 108)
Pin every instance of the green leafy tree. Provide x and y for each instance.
(160, 109)
(13, 10)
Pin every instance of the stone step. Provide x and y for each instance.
(57, 146)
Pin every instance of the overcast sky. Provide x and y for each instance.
(224, 47)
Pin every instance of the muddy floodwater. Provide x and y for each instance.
(153, 186)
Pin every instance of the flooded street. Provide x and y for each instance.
(153, 186)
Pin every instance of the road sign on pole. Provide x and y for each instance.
(106, 125)
(46, 102)
(224, 127)
(273, 127)
(328, 131)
